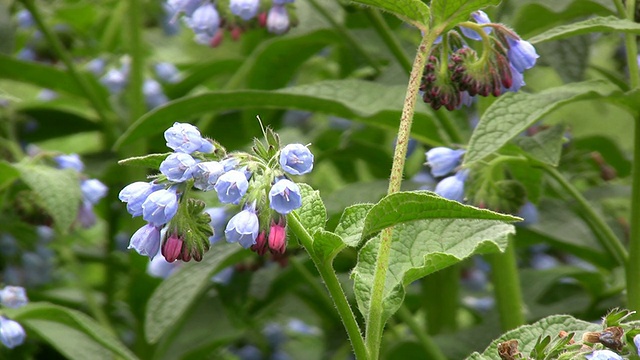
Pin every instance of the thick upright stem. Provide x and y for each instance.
(440, 292)
(375, 323)
(504, 274)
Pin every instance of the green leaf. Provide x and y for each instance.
(201, 73)
(71, 332)
(452, 12)
(512, 113)
(312, 213)
(151, 161)
(545, 146)
(327, 245)
(413, 11)
(596, 24)
(352, 223)
(7, 174)
(528, 335)
(421, 205)
(568, 57)
(420, 248)
(57, 191)
(173, 298)
(374, 104)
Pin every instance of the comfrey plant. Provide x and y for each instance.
(257, 183)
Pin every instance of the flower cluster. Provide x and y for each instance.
(11, 332)
(444, 161)
(208, 20)
(177, 223)
(454, 72)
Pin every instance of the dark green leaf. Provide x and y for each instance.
(413, 11)
(596, 24)
(7, 174)
(201, 73)
(545, 146)
(151, 161)
(452, 12)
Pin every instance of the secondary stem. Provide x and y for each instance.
(432, 350)
(375, 323)
(504, 274)
(383, 30)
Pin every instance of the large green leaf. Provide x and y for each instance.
(414, 11)
(528, 335)
(57, 191)
(512, 113)
(596, 24)
(371, 103)
(545, 146)
(420, 248)
(173, 298)
(312, 213)
(452, 12)
(71, 332)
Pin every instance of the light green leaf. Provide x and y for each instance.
(71, 332)
(421, 205)
(327, 245)
(512, 113)
(413, 11)
(528, 335)
(312, 213)
(420, 248)
(56, 190)
(374, 104)
(151, 161)
(596, 24)
(452, 12)
(352, 223)
(7, 174)
(545, 146)
(173, 298)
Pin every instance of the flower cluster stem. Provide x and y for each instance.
(504, 274)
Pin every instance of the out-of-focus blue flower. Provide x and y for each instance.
(452, 187)
(481, 18)
(529, 212)
(186, 138)
(26, 54)
(204, 20)
(206, 174)
(245, 9)
(86, 217)
(223, 277)
(185, 6)
(13, 297)
(159, 267)
(167, 72)
(178, 167)
(135, 195)
(93, 190)
(96, 66)
(243, 228)
(47, 95)
(483, 304)
(278, 20)
(522, 54)
(296, 159)
(275, 334)
(218, 222)
(114, 80)
(231, 187)
(153, 94)
(71, 161)
(603, 355)
(282, 2)
(443, 160)
(25, 19)
(280, 355)
(160, 207)
(11, 333)
(249, 352)
(300, 327)
(284, 196)
(636, 342)
(517, 79)
(146, 241)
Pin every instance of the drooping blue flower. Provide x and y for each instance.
(278, 20)
(636, 342)
(114, 80)
(452, 187)
(160, 207)
(231, 187)
(25, 19)
(218, 222)
(243, 228)
(167, 72)
(245, 9)
(522, 54)
(185, 6)
(135, 195)
(296, 159)
(11, 333)
(71, 161)
(146, 241)
(93, 190)
(186, 138)
(206, 174)
(204, 20)
(284, 196)
(153, 94)
(178, 167)
(443, 160)
(230, 163)
(517, 79)
(86, 216)
(13, 297)
(481, 18)
(603, 355)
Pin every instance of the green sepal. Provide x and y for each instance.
(191, 224)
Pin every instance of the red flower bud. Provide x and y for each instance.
(261, 244)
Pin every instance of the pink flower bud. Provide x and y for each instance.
(172, 248)
(277, 238)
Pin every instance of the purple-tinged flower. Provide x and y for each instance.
(13, 297)
(517, 79)
(204, 20)
(245, 9)
(529, 213)
(231, 187)
(11, 333)
(153, 94)
(167, 72)
(284, 196)
(603, 355)
(71, 161)
(86, 217)
(443, 160)
(230, 163)
(160, 207)
(452, 187)
(25, 19)
(522, 54)
(93, 190)
(146, 241)
(186, 138)
(282, 2)
(185, 6)
(277, 238)
(481, 18)
(296, 159)
(172, 248)
(278, 20)
(114, 80)
(178, 167)
(135, 195)
(206, 174)
(218, 222)
(243, 228)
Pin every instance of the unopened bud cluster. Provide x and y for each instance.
(455, 73)
(258, 183)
